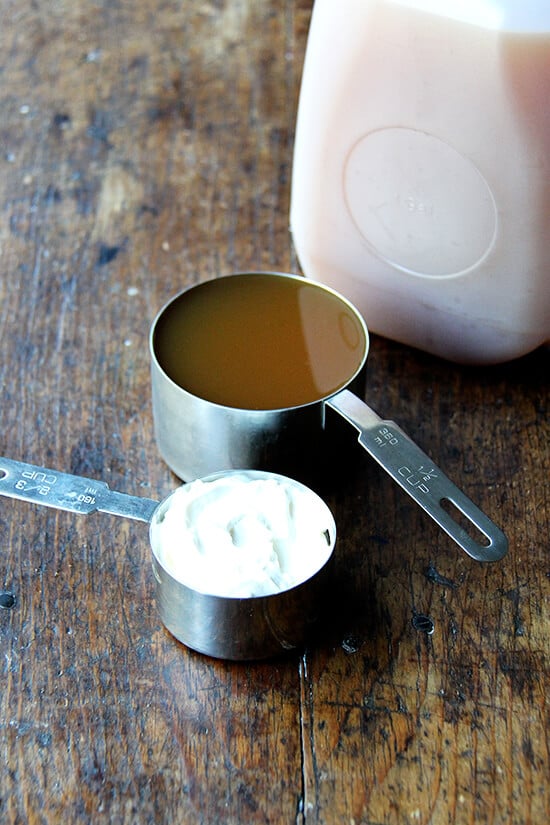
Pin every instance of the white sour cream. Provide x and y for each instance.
(242, 534)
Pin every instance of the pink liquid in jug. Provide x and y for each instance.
(421, 180)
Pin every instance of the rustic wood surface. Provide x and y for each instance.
(143, 147)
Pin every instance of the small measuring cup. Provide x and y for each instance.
(197, 436)
(232, 628)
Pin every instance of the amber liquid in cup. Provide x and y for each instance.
(260, 341)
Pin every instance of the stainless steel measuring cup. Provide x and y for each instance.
(223, 627)
(197, 436)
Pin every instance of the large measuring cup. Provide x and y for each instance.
(200, 431)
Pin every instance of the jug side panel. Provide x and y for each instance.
(420, 184)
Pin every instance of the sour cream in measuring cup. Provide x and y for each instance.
(242, 534)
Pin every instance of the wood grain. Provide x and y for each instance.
(145, 147)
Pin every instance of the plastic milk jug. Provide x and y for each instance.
(421, 178)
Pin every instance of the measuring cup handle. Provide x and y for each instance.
(416, 473)
(63, 491)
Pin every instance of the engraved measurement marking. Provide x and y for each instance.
(35, 475)
(41, 489)
(385, 437)
(418, 478)
(88, 496)
(36, 481)
(82, 499)
(41, 483)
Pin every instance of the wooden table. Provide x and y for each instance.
(148, 146)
